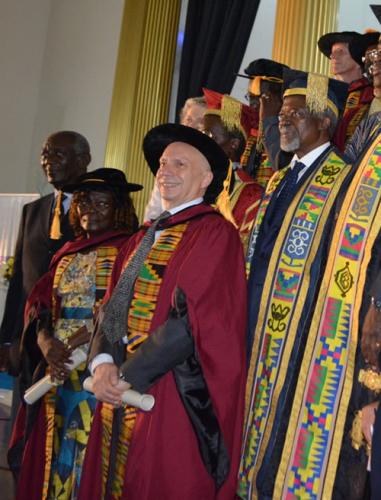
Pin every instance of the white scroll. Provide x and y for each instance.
(133, 398)
(40, 388)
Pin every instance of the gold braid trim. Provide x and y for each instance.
(370, 379)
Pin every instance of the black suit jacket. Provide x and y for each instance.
(34, 250)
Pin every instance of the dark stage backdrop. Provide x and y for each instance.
(215, 39)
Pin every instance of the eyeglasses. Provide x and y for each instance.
(372, 56)
(294, 114)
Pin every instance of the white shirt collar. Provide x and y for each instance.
(309, 158)
(188, 204)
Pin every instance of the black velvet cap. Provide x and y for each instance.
(104, 179)
(265, 67)
(159, 137)
(369, 39)
(352, 38)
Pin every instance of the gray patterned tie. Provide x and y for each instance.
(114, 324)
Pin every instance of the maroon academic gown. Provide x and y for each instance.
(164, 461)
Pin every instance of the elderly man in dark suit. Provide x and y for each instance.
(44, 228)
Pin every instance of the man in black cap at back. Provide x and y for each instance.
(264, 94)
(346, 50)
(181, 278)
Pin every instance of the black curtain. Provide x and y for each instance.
(215, 39)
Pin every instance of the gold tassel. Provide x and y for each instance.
(255, 83)
(255, 86)
(223, 199)
(317, 93)
(55, 228)
(231, 113)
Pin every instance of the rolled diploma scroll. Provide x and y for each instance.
(130, 397)
(40, 388)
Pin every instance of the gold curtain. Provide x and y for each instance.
(142, 86)
(298, 26)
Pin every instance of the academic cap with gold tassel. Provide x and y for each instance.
(263, 70)
(234, 114)
(320, 91)
(223, 200)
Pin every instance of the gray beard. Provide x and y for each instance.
(290, 146)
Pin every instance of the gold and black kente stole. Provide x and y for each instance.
(142, 309)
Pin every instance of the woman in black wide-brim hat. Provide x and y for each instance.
(59, 320)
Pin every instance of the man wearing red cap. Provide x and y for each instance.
(228, 122)
(174, 325)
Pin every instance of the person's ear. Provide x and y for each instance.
(83, 160)
(207, 179)
(324, 123)
(234, 143)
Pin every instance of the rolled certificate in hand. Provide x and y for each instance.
(44, 385)
(130, 397)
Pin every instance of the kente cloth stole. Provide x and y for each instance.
(354, 112)
(250, 143)
(271, 187)
(247, 223)
(105, 260)
(265, 171)
(313, 441)
(142, 309)
(287, 282)
(239, 186)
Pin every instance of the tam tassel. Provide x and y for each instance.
(223, 200)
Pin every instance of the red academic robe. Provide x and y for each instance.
(164, 461)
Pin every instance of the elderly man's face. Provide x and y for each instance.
(184, 174)
(194, 116)
(341, 60)
(299, 131)
(60, 160)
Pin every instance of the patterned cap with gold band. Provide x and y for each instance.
(320, 91)
(234, 115)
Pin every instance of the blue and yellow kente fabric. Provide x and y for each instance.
(315, 432)
(80, 282)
